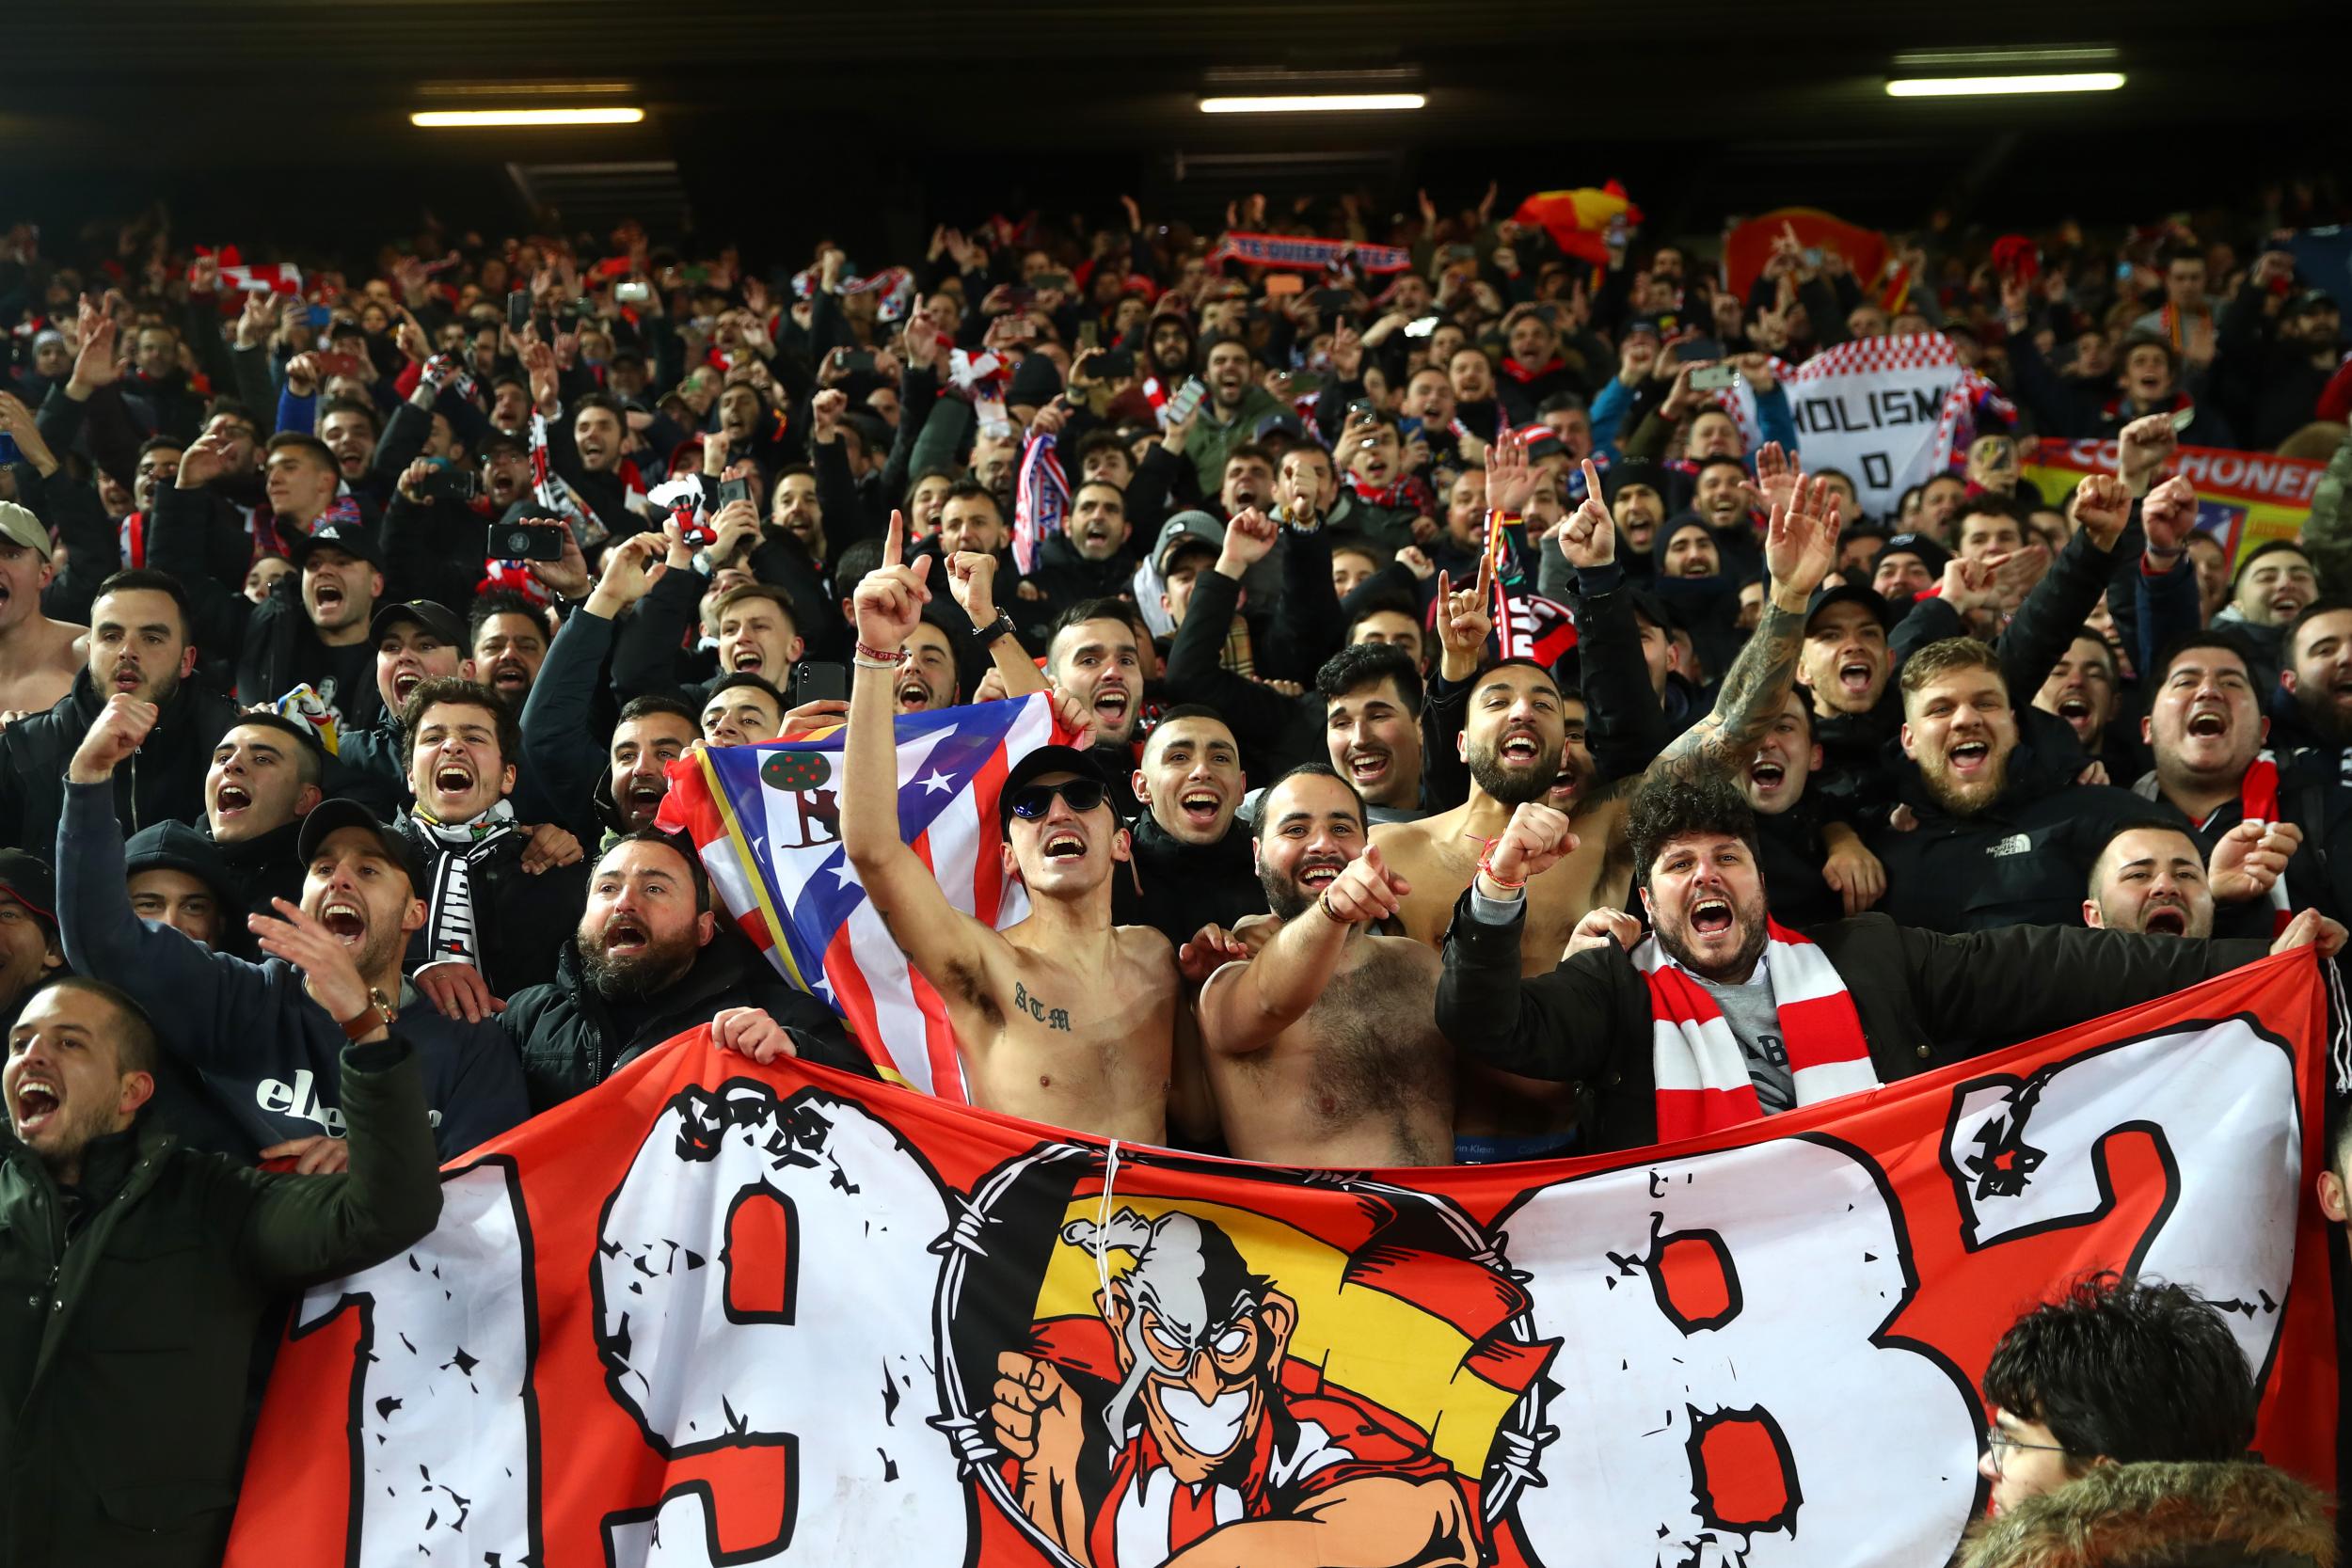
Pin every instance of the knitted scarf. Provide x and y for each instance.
(1702, 1077)
(2258, 802)
(450, 932)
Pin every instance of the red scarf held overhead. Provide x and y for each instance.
(1702, 1076)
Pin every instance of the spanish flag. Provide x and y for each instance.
(1579, 220)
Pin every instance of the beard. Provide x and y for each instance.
(1283, 895)
(1750, 917)
(637, 975)
(1507, 786)
(2318, 706)
(1964, 800)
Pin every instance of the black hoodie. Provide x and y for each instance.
(1185, 886)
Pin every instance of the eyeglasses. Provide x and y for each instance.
(1031, 802)
(1997, 1443)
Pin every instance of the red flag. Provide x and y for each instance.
(1749, 246)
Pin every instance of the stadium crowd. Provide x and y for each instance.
(352, 614)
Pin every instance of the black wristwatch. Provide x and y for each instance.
(1001, 627)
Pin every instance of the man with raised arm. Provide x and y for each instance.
(1062, 1017)
(1513, 738)
(1321, 1049)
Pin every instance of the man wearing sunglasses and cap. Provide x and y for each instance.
(1062, 1017)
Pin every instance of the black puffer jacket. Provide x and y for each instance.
(571, 1040)
(164, 779)
(1185, 886)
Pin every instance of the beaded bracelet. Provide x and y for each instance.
(882, 660)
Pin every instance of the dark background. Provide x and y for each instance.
(770, 124)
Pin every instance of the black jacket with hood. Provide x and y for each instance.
(163, 780)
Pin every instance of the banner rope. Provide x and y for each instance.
(2340, 1027)
(1103, 1219)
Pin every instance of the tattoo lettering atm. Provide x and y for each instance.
(717, 1313)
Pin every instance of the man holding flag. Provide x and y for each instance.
(1062, 1017)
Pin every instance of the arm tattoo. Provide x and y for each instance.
(1746, 705)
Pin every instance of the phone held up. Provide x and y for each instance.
(524, 541)
(815, 682)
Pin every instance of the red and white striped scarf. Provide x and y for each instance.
(1702, 1076)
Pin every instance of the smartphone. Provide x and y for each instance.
(1332, 301)
(1115, 364)
(1359, 410)
(9, 453)
(813, 682)
(450, 483)
(1461, 253)
(1420, 328)
(517, 310)
(1059, 281)
(332, 365)
(854, 361)
(2181, 417)
(523, 541)
(1089, 336)
(1303, 382)
(632, 291)
(729, 492)
(1407, 427)
(1714, 378)
(1187, 398)
(320, 317)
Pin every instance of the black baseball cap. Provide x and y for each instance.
(177, 846)
(330, 816)
(29, 879)
(1931, 555)
(1059, 759)
(1839, 591)
(356, 539)
(439, 619)
(1280, 422)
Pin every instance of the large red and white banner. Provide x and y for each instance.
(715, 1313)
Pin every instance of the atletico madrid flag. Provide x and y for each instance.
(1579, 221)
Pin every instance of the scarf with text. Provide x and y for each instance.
(450, 927)
(1702, 1076)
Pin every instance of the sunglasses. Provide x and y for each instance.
(1031, 802)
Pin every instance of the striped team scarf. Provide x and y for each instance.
(1702, 1077)
(1040, 498)
(2258, 802)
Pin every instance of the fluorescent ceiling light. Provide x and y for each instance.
(1311, 102)
(449, 119)
(2077, 55)
(1980, 86)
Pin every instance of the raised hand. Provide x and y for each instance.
(1968, 584)
(2170, 517)
(1366, 891)
(1464, 620)
(94, 363)
(1801, 541)
(568, 574)
(2249, 858)
(890, 600)
(632, 568)
(122, 724)
(1775, 480)
(1535, 840)
(1588, 536)
(2101, 507)
(2143, 449)
(1510, 478)
(972, 579)
(1248, 539)
(330, 973)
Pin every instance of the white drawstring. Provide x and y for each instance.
(2340, 1032)
(1103, 1220)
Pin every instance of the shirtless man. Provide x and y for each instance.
(1324, 1049)
(37, 661)
(1513, 737)
(1061, 1018)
